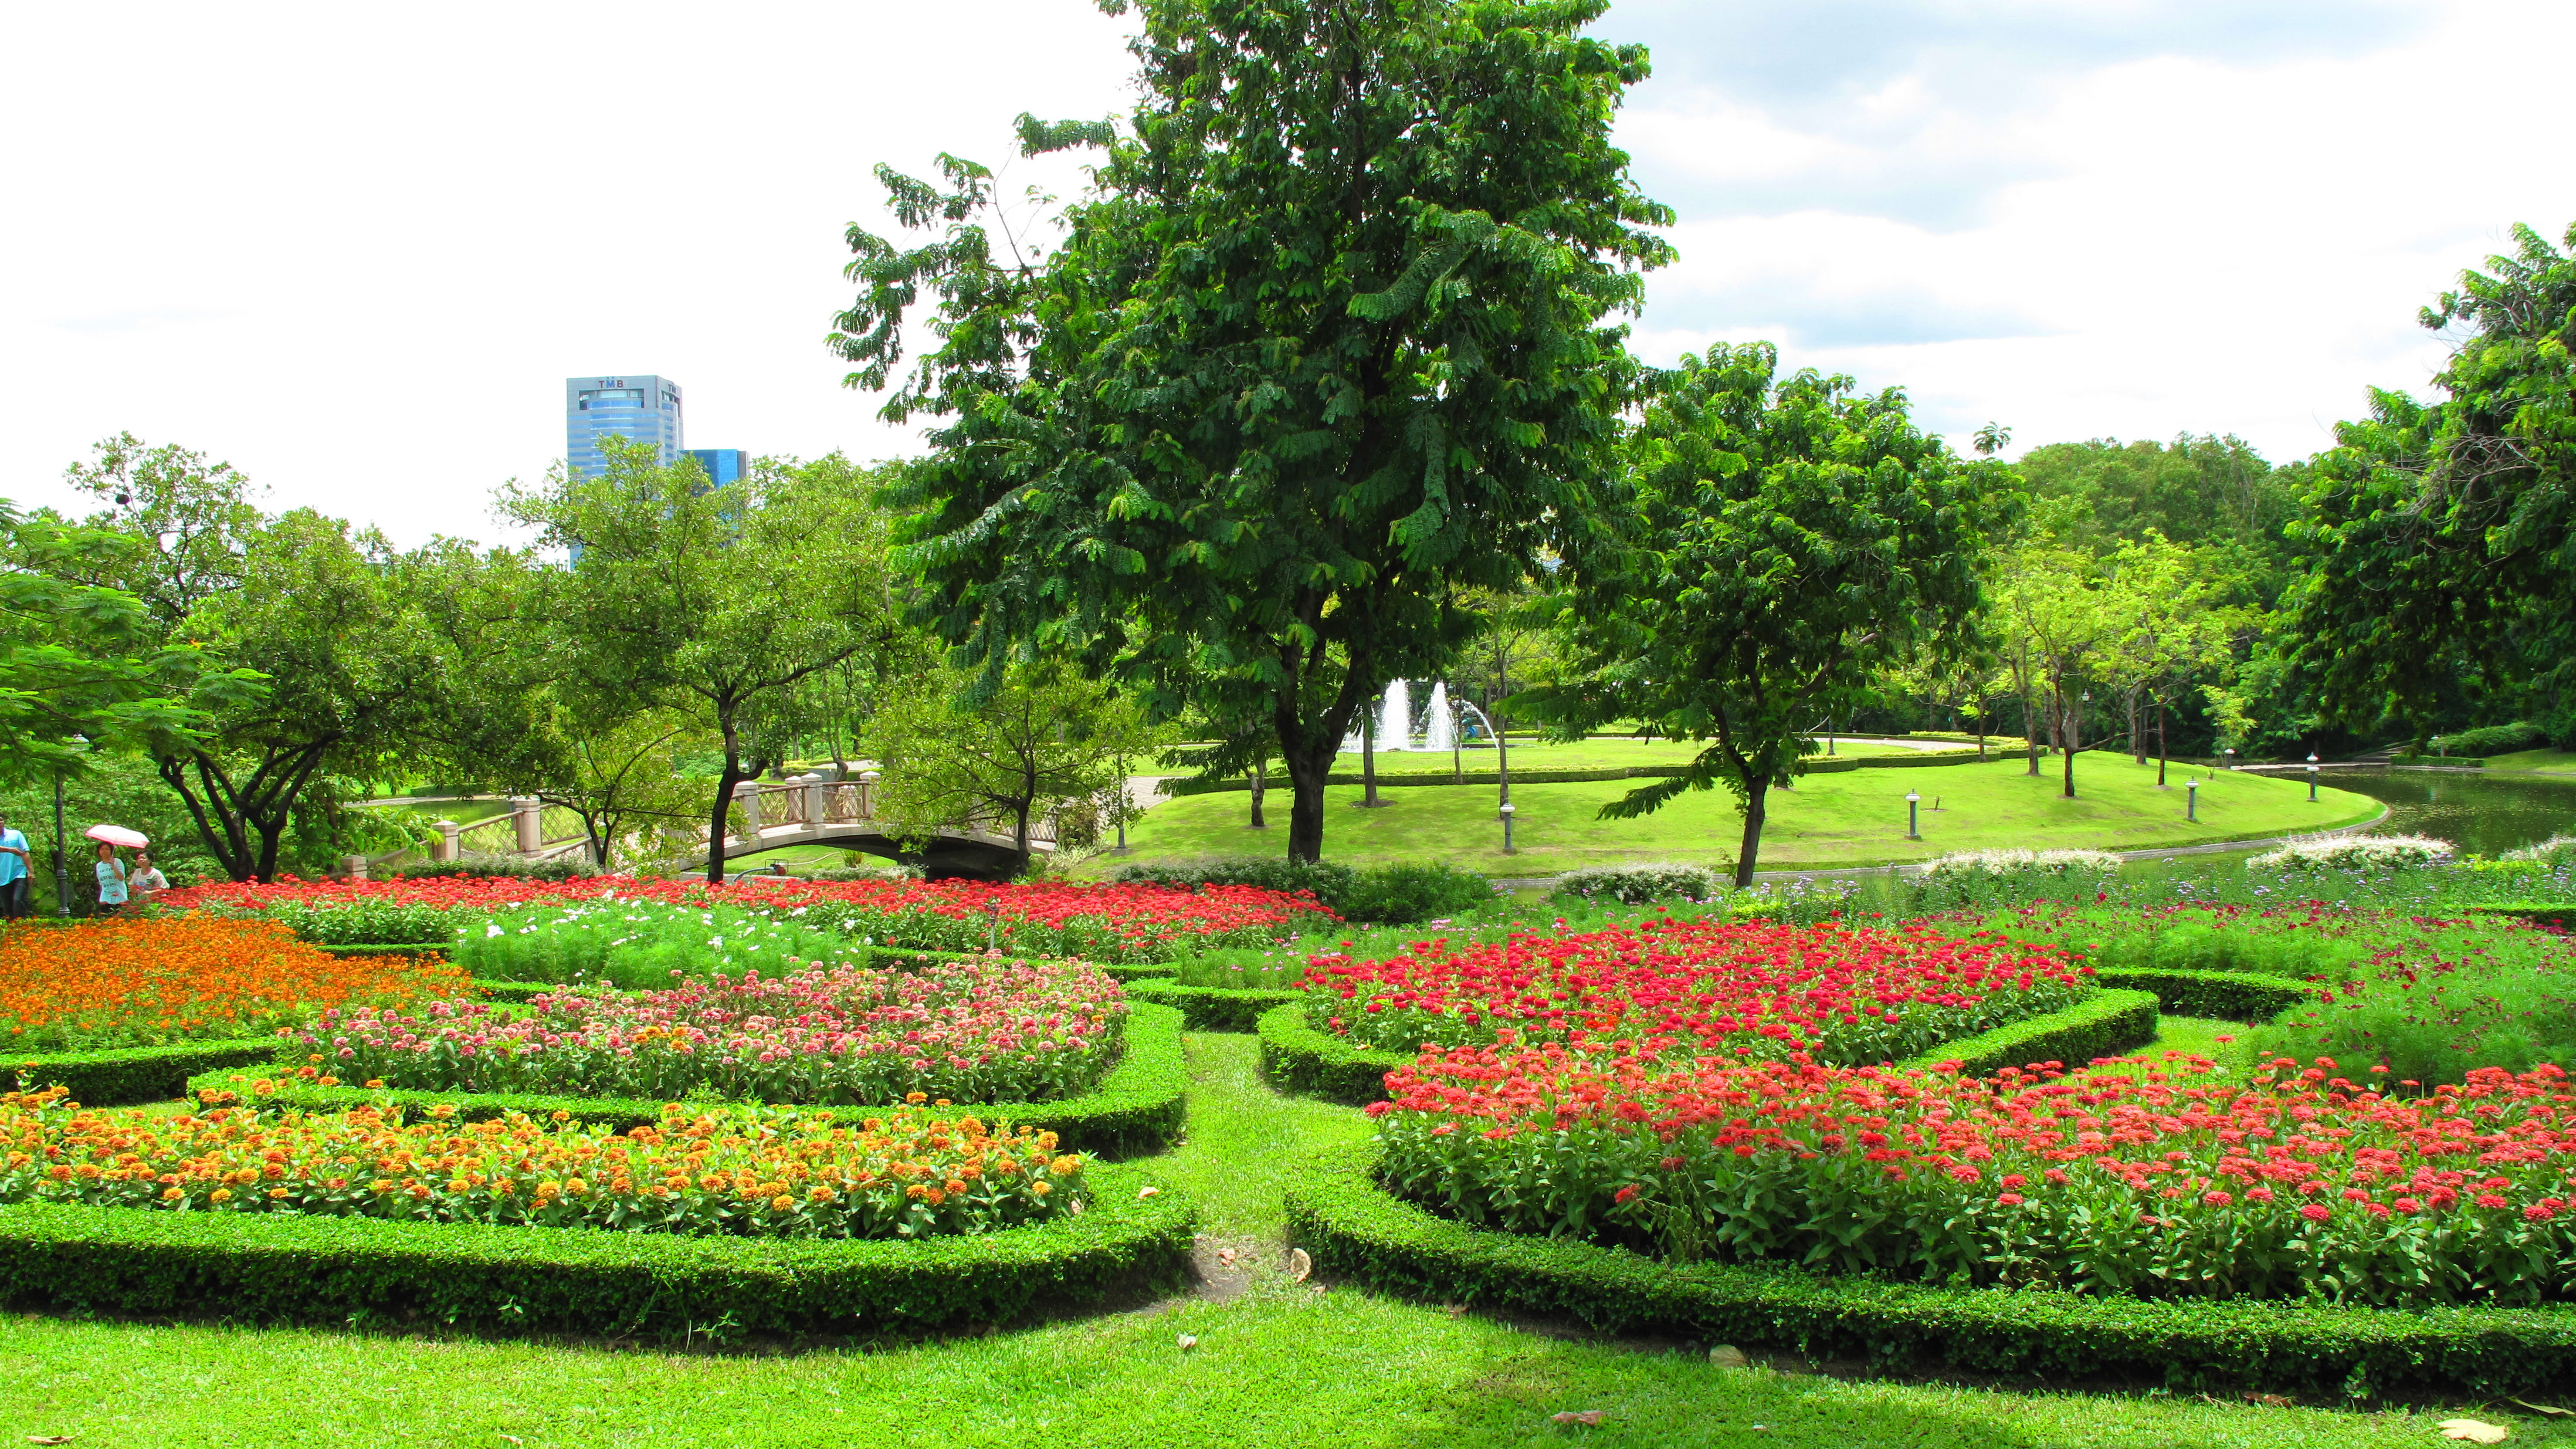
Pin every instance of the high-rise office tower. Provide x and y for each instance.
(637, 409)
(723, 465)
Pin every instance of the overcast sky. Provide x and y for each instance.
(355, 250)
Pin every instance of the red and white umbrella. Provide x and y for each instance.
(118, 835)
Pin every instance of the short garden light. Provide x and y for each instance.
(2191, 799)
(2312, 777)
(1913, 817)
(1507, 827)
(2230, 753)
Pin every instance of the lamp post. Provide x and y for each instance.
(1502, 759)
(1507, 828)
(1126, 802)
(2191, 799)
(62, 868)
(2312, 777)
(2230, 753)
(1913, 819)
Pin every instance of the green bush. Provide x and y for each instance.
(1637, 884)
(1398, 894)
(2503, 739)
(1357, 1231)
(525, 1279)
(137, 1074)
(641, 945)
(512, 867)
(2225, 995)
(1137, 1107)
(367, 923)
(2106, 1024)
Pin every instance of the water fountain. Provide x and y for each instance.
(1440, 731)
(1395, 721)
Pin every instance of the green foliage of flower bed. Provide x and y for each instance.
(522, 1279)
(1356, 1230)
(426, 951)
(1298, 1058)
(1212, 1008)
(1395, 894)
(137, 1074)
(642, 945)
(1136, 1109)
(367, 922)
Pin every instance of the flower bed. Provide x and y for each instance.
(1101, 922)
(767, 1172)
(2159, 1183)
(103, 985)
(639, 944)
(965, 1032)
(1825, 993)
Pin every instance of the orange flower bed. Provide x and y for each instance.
(103, 984)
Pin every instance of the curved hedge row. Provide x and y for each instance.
(1298, 1058)
(277, 1267)
(2231, 995)
(1212, 1008)
(137, 1074)
(1136, 1109)
(1356, 1230)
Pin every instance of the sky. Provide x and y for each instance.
(355, 250)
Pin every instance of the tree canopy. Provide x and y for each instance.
(1333, 340)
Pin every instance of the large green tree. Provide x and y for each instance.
(1334, 340)
(1792, 538)
(723, 601)
(1045, 738)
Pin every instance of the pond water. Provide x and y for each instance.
(2481, 813)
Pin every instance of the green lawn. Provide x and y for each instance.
(1276, 1363)
(1851, 818)
(2545, 762)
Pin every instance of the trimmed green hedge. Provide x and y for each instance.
(2106, 1024)
(137, 1074)
(1137, 1109)
(2556, 918)
(1298, 1058)
(1212, 1008)
(275, 1267)
(2229, 995)
(1357, 1231)
(436, 949)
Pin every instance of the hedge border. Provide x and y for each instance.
(1357, 1231)
(436, 949)
(137, 1074)
(276, 1267)
(1212, 1008)
(1137, 1108)
(2555, 918)
(2106, 1024)
(2230, 995)
(1297, 1058)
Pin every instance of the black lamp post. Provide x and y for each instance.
(2312, 777)
(62, 866)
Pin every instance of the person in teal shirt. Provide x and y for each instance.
(111, 879)
(14, 872)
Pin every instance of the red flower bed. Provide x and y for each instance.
(1829, 993)
(1105, 922)
(2163, 1183)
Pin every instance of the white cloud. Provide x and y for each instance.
(355, 250)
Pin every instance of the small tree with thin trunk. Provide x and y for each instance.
(728, 599)
(1792, 539)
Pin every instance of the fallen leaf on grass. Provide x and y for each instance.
(1299, 1265)
(1727, 1355)
(49, 1438)
(2543, 1408)
(2278, 1401)
(1454, 1310)
(1189, 1341)
(1143, 1193)
(1225, 1256)
(2476, 1431)
(1578, 1416)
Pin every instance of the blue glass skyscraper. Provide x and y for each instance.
(637, 409)
(723, 465)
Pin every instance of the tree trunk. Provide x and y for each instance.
(1307, 775)
(2160, 745)
(1751, 848)
(1368, 764)
(2068, 727)
(1259, 780)
(733, 775)
(2137, 730)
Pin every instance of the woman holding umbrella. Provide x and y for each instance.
(111, 871)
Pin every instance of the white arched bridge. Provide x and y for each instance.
(811, 809)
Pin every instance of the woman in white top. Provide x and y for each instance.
(146, 881)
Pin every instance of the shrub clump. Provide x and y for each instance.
(2503, 739)
(501, 867)
(702, 1170)
(968, 1032)
(637, 944)
(1401, 894)
(1637, 884)
(2355, 852)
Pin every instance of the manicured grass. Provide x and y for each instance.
(1278, 1364)
(2545, 762)
(1597, 752)
(1852, 818)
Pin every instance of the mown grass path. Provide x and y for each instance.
(1277, 1363)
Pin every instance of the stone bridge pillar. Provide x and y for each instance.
(447, 846)
(747, 795)
(818, 797)
(527, 818)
